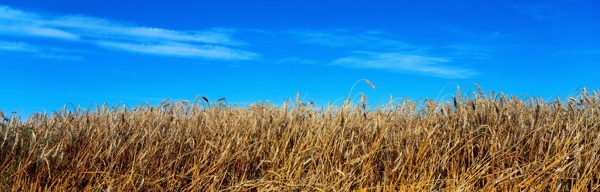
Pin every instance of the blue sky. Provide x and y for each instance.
(84, 52)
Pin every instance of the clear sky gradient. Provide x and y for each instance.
(84, 52)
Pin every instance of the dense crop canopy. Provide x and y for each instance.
(478, 142)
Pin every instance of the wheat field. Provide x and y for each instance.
(470, 142)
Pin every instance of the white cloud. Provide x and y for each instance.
(8, 13)
(378, 50)
(405, 63)
(40, 51)
(213, 36)
(92, 27)
(208, 43)
(50, 32)
(343, 38)
(32, 31)
(17, 46)
(184, 50)
(18, 23)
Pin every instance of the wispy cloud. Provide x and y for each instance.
(184, 50)
(212, 43)
(19, 23)
(17, 46)
(405, 63)
(378, 50)
(339, 38)
(50, 32)
(44, 52)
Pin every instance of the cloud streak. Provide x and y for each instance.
(377, 50)
(17, 46)
(38, 51)
(347, 39)
(183, 50)
(405, 63)
(213, 43)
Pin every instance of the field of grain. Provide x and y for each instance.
(469, 142)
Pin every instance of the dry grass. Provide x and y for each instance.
(474, 142)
